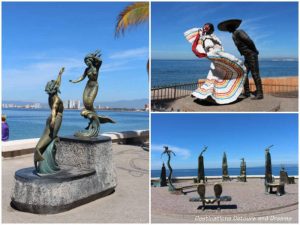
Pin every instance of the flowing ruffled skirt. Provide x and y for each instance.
(225, 79)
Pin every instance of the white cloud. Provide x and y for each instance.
(138, 53)
(38, 73)
(183, 152)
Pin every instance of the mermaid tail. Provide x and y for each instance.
(49, 165)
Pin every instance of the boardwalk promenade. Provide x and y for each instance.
(281, 94)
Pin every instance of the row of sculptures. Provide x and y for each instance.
(225, 175)
(44, 155)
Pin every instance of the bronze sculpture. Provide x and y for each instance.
(163, 176)
(201, 174)
(93, 62)
(225, 176)
(284, 178)
(168, 152)
(268, 166)
(247, 48)
(44, 155)
(243, 176)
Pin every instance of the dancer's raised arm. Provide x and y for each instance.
(194, 47)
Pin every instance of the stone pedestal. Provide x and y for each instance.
(87, 173)
(226, 178)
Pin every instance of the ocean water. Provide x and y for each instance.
(29, 123)
(167, 72)
(291, 170)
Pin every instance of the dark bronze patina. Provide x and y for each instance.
(169, 152)
(93, 62)
(225, 176)
(247, 48)
(284, 178)
(210, 199)
(268, 166)
(243, 175)
(201, 173)
(44, 155)
(163, 176)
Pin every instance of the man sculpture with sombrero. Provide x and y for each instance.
(247, 48)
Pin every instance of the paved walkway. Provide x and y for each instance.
(268, 104)
(249, 204)
(129, 203)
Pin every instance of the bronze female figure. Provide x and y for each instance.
(93, 62)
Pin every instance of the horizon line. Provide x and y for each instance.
(275, 165)
(261, 58)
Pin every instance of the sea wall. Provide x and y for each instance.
(27, 146)
(189, 178)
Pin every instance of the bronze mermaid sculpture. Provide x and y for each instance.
(93, 62)
(44, 155)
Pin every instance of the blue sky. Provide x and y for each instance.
(239, 135)
(39, 38)
(272, 25)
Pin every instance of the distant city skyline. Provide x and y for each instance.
(272, 25)
(38, 38)
(239, 135)
(77, 104)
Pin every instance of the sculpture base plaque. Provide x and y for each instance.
(87, 173)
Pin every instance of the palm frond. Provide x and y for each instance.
(132, 15)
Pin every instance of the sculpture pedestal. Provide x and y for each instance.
(226, 178)
(242, 178)
(87, 173)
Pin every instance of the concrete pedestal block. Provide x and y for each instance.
(87, 173)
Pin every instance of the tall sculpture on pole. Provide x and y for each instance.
(169, 152)
(93, 62)
(45, 150)
(163, 176)
(268, 165)
(243, 175)
(225, 176)
(201, 173)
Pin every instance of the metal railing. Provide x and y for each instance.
(175, 91)
(172, 92)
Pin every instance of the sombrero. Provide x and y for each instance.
(223, 26)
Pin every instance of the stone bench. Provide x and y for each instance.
(242, 178)
(211, 199)
(285, 178)
(278, 186)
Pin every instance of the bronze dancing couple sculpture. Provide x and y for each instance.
(44, 155)
(247, 48)
(227, 77)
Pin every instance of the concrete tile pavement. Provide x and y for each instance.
(128, 204)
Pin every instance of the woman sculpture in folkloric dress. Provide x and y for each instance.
(225, 79)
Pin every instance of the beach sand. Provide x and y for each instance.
(249, 203)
